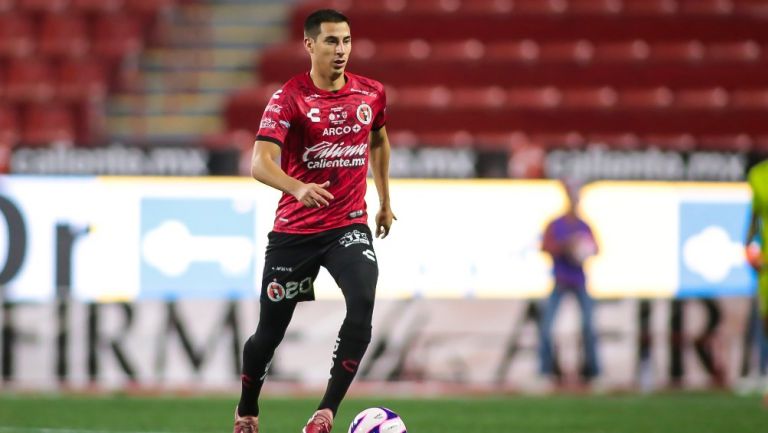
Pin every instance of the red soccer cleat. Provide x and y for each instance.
(246, 424)
(321, 422)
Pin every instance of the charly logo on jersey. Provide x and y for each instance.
(364, 113)
(314, 115)
(268, 124)
(276, 95)
(327, 154)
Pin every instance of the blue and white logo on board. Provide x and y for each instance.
(197, 248)
(711, 250)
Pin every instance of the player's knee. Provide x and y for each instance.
(351, 329)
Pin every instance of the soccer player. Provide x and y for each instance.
(326, 126)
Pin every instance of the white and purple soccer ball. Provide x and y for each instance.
(377, 420)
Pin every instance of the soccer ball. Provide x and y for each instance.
(377, 420)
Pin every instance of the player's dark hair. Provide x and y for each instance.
(313, 21)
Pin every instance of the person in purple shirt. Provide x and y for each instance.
(569, 240)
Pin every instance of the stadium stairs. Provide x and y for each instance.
(204, 50)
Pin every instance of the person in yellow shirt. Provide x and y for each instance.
(755, 243)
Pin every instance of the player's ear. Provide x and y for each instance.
(309, 44)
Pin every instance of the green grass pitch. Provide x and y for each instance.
(673, 413)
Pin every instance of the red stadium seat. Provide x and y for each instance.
(674, 142)
(525, 50)
(47, 123)
(534, 98)
(9, 124)
(630, 51)
(616, 141)
(100, 6)
(82, 79)
(595, 6)
(701, 99)
(589, 98)
(706, 7)
(43, 5)
(466, 50)
(434, 97)
(645, 99)
(725, 143)
(479, 97)
(116, 36)
(688, 51)
(579, 51)
(63, 35)
(7, 5)
(29, 80)
(651, 7)
(750, 99)
(17, 35)
(741, 51)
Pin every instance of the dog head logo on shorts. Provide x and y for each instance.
(275, 291)
(364, 113)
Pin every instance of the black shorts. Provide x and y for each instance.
(293, 261)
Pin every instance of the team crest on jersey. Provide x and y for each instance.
(275, 291)
(364, 113)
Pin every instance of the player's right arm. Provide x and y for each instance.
(265, 170)
(549, 243)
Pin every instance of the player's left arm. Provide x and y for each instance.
(380, 167)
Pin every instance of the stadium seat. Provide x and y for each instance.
(17, 35)
(47, 123)
(9, 124)
(725, 143)
(650, 7)
(534, 98)
(672, 142)
(39, 6)
(705, 7)
(636, 50)
(117, 35)
(740, 51)
(81, 79)
(97, 6)
(589, 98)
(616, 141)
(577, 51)
(645, 98)
(29, 80)
(525, 50)
(687, 51)
(63, 35)
(479, 97)
(7, 5)
(750, 99)
(701, 99)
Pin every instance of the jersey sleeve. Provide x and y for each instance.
(277, 118)
(381, 116)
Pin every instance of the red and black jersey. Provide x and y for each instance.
(324, 136)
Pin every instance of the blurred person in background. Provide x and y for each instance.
(568, 239)
(755, 243)
(324, 125)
